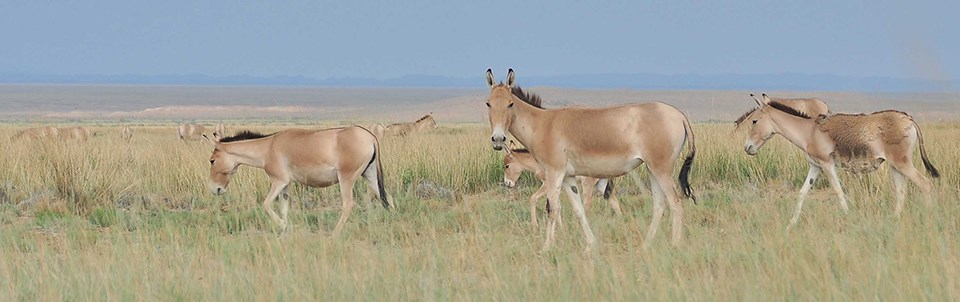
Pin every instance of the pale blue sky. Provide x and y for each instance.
(322, 39)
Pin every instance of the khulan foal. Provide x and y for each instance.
(516, 160)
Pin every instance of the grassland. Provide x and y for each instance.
(109, 220)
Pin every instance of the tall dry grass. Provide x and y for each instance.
(108, 220)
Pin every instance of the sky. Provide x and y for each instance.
(386, 39)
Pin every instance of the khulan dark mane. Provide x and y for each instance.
(529, 98)
(423, 118)
(244, 135)
(776, 105)
(789, 110)
(744, 116)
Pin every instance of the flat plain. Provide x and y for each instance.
(114, 220)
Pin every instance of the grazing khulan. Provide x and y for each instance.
(315, 158)
(190, 132)
(126, 134)
(595, 142)
(856, 142)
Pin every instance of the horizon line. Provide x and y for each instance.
(732, 81)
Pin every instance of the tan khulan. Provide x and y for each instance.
(515, 161)
(595, 142)
(74, 133)
(220, 130)
(37, 132)
(315, 158)
(810, 106)
(854, 135)
(126, 134)
(190, 132)
(78, 133)
(400, 129)
(857, 142)
(377, 130)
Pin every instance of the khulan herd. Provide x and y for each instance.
(566, 146)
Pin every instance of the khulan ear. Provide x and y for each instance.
(766, 99)
(511, 78)
(512, 145)
(759, 102)
(212, 142)
(490, 80)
